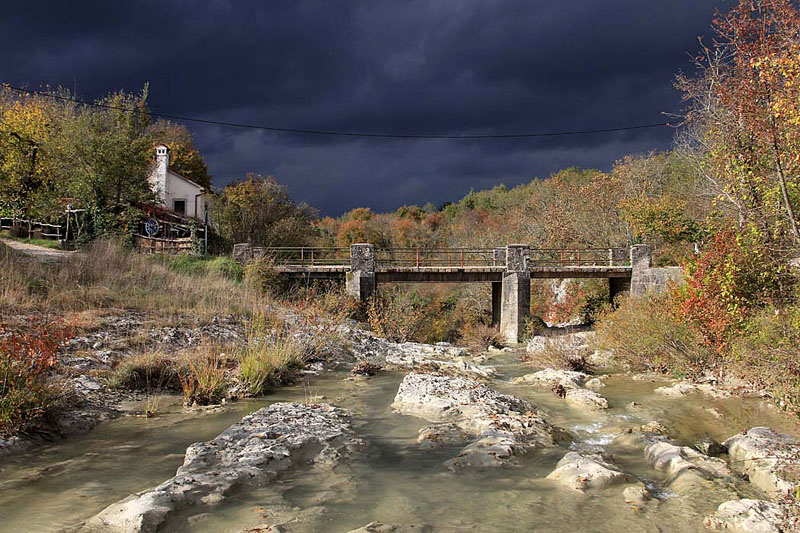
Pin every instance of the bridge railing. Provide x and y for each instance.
(579, 257)
(307, 255)
(439, 257)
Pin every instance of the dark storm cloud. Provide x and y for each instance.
(415, 66)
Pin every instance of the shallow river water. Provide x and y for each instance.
(56, 487)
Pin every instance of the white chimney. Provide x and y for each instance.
(159, 178)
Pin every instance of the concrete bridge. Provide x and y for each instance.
(509, 269)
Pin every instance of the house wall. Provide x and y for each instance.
(178, 188)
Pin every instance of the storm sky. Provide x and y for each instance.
(379, 66)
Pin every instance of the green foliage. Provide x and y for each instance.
(767, 354)
(260, 211)
(268, 360)
(263, 275)
(644, 333)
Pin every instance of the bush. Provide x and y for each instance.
(149, 371)
(267, 362)
(479, 336)
(26, 361)
(262, 275)
(645, 333)
(395, 315)
(767, 354)
(204, 376)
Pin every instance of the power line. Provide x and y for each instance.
(343, 133)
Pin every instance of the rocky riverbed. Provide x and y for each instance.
(438, 440)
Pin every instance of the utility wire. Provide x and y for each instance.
(341, 133)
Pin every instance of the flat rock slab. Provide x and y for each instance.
(583, 472)
(503, 426)
(747, 516)
(551, 376)
(252, 452)
(762, 453)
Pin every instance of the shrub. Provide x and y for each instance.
(767, 354)
(734, 275)
(26, 361)
(645, 333)
(149, 371)
(226, 267)
(479, 336)
(395, 315)
(262, 275)
(204, 376)
(267, 362)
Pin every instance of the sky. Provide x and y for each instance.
(452, 67)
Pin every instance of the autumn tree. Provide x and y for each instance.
(745, 112)
(260, 211)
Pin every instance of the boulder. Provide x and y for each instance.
(551, 376)
(579, 344)
(747, 516)
(503, 426)
(584, 472)
(585, 399)
(684, 467)
(252, 452)
(763, 454)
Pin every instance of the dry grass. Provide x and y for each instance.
(106, 276)
(645, 334)
(479, 336)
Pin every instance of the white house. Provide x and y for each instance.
(175, 192)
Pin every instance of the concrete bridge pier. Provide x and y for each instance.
(360, 280)
(515, 296)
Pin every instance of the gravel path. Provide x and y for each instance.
(36, 252)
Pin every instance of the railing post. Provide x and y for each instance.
(462, 258)
(417, 256)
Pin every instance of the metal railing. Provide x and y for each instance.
(305, 255)
(446, 257)
(438, 257)
(579, 257)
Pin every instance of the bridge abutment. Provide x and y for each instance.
(515, 297)
(360, 280)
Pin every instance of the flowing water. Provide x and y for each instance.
(396, 481)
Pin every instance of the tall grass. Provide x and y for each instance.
(106, 275)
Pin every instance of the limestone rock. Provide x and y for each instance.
(762, 453)
(578, 344)
(584, 472)
(252, 452)
(551, 376)
(747, 516)
(585, 398)
(684, 466)
(636, 495)
(594, 384)
(504, 426)
(439, 435)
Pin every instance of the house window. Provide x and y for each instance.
(179, 206)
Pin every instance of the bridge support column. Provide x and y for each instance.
(497, 301)
(360, 280)
(640, 265)
(516, 293)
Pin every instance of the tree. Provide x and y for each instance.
(260, 211)
(745, 107)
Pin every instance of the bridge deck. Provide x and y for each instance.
(442, 274)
